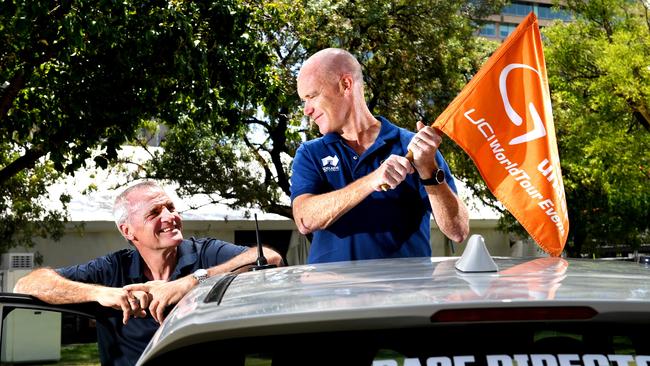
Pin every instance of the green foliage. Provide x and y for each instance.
(600, 86)
(599, 77)
(416, 56)
(24, 215)
(78, 79)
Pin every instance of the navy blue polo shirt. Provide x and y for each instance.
(121, 344)
(390, 224)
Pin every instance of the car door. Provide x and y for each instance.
(30, 330)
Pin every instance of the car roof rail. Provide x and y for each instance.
(219, 289)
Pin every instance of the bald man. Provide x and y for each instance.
(337, 180)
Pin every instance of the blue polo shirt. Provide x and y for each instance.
(121, 344)
(390, 224)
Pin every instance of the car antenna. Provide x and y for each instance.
(261, 263)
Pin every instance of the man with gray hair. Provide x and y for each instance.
(340, 182)
(139, 282)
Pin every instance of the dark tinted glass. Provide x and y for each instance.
(491, 344)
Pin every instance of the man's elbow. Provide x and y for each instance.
(18, 288)
(461, 233)
(273, 257)
(459, 237)
(302, 217)
(21, 286)
(303, 228)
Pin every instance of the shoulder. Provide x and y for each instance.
(312, 146)
(391, 130)
(122, 257)
(200, 245)
(310, 153)
(212, 252)
(102, 270)
(119, 258)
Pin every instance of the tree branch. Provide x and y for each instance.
(268, 176)
(26, 161)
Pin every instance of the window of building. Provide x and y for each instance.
(519, 9)
(505, 29)
(545, 11)
(489, 29)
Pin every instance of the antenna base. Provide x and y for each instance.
(262, 267)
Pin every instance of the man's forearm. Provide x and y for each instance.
(47, 285)
(449, 211)
(316, 212)
(247, 257)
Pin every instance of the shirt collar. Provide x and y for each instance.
(388, 132)
(187, 256)
(135, 270)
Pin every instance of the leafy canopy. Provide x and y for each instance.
(78, 78)
(599, 76)
(416, 56)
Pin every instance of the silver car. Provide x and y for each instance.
(416, 311)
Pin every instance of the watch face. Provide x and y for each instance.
(200, 274)
(440, 176)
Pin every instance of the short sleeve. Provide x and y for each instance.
(305, 178)
(215, 252)
(98, 271)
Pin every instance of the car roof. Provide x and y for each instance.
(378, 293)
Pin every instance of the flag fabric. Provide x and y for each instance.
(503, 120)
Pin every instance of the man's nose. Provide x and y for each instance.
(167, 215)
(308, 109)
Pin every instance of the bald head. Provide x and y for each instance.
(332, 63)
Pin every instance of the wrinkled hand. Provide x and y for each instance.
(424, 145)
(391, 172)
(131, 303)
(163, 294)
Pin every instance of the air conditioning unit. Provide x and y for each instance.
(27, 335)
(12, 261)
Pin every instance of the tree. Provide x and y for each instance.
(599, 78)
(416, 56)
(78, 79)
(600, 82)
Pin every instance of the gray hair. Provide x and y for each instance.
(122, 205)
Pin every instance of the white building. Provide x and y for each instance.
(91, 231)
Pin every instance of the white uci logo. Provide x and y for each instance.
(330, 163)
(538, 126)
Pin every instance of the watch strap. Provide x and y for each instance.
(437, 178)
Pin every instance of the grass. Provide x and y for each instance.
(79, 354)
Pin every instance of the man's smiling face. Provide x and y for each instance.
(153, 221)
(324, 102)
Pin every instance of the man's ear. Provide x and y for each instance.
(346, 83)
(126, 231)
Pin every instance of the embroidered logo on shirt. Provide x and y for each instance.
(330, 163)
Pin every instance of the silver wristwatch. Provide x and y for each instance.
(201, 275)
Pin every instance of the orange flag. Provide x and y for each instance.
(503, 120)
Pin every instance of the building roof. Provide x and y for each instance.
(96, 204)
